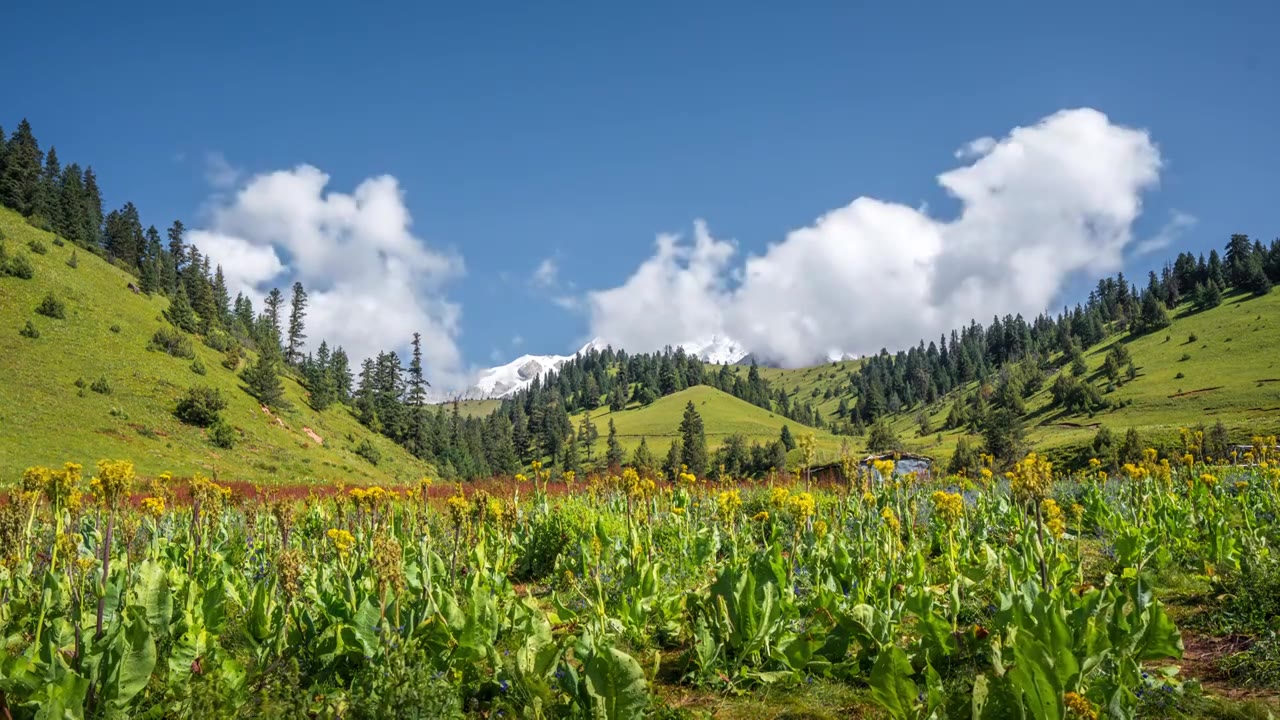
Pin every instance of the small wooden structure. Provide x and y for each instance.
(904, 463)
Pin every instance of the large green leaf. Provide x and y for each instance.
(136, 661)
(891, 685)
(154, 594)
(616, 685)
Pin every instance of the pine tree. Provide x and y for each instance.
(417, 383)
(180, 312)
(693, 441)
(263, 381)
(221, 297)
(92, 213)
(45, 203)
(177, 251)
(787, 440)
(297, 313)
(618, 396)
(22, 168)
(587, 435)
(671, 465)
(274, 301)
(320, 379)
(642, 459)
(71, 205)
(614, 454)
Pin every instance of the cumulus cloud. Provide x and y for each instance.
(371, 283)
(1037, 206)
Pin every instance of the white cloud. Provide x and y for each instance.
(517, 341)
(546, 274)
(371, 283)
(218, 172)
(1037, 206)
(975, 149)
(1178, 223)
(571, 303)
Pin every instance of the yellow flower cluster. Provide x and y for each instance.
(1209, 480)
(634, 486)
(342, 540)
(778, 497)
(459, 508)
(687, 478)
(521, 478)
(1241, 486)
(727, 504)
(153, 506)
(388, 562)
(820, 528)
(949, 507)
(369, 497)
(802, 505)
(1031, 477)
(884, 467)
(1052, 513)
(113, 480)
(869, 498)
(761, 517)
(985, 474)
(891, 519)
(1079, 706)
(208, 493)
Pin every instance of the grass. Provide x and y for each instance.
(45, 419)
(722, 415)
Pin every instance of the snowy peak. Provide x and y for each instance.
(506, 380)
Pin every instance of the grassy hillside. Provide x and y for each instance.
(1231, 372)
(46, 419)
(722, 415)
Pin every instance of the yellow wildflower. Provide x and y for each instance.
(778, 496)
(1209, 480)
(113, 480)
(949, 507)
(342, 540)
(1052, 514)
(891, 519)
(1030, 478)
(802, 505)
(727, 504)
(1079, 706)
(761, 517)
(153, 506)
(820, 528)
(677, 511)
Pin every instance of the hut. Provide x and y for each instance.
(904, 463)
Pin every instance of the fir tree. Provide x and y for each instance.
(297, 313)
(788, 442)
(274, 302)
(671, 465)
(262, 380)
(92, 215)
(642, 459)
(614, 454)
(693, 441)
(417, 384)
(588, 434)
(180, 313)
(22, 168)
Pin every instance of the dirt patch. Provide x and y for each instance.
(1196, 392)
(1201, 659)
(312, 434)
(1077, 425)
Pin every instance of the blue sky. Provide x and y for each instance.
(578, 132)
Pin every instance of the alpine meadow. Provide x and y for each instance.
(251, 468)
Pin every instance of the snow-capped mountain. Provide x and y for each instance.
(506, 380)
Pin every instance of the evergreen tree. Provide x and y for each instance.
(180, 313)
(92, 208)
(1255, 278)
(262, 380)
(22, 169)
(569, 461)
(693, 441)
(340, 371)
(881, 437)
(618, 397)
(297, 313)
(319, 373)
(417, 383)
(45, 203)
(587, 435)
(965, 460)
(788, 442)
(177, 251)
(671, 465)
(274, 301)
(642, 459)
(69, 221)
(614, 454)
(1003, 434)
(221, 297)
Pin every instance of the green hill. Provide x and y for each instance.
(1230, 371)
(722, 415)
(45, 419)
